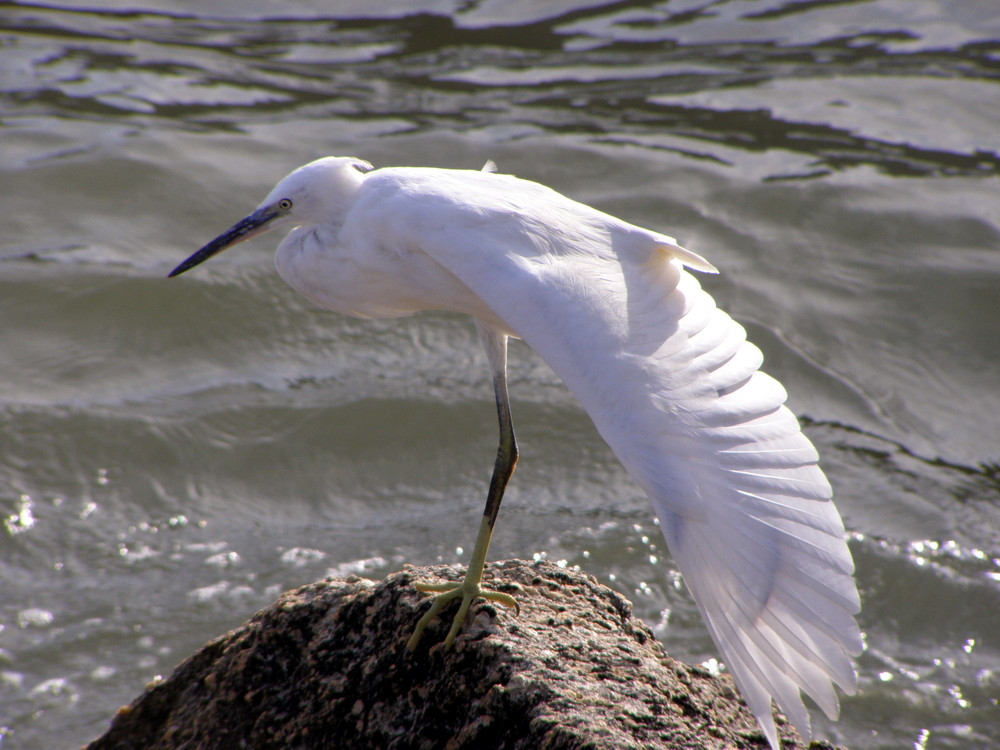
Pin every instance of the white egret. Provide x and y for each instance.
(668, 379)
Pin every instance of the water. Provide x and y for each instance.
(175, 454)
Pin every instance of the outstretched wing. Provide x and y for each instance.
(674, 388)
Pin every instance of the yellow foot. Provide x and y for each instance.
(468, 591)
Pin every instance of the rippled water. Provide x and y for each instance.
(174, 454)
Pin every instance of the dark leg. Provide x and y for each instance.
(471, 589)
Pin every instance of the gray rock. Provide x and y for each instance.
(327, 667)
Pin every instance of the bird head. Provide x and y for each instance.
(315, 193)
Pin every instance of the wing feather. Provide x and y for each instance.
(676, 391)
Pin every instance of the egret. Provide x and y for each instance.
(669, 380)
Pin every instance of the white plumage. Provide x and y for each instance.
(669, 380)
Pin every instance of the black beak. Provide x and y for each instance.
(254, 224)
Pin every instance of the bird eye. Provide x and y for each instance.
(285, 205)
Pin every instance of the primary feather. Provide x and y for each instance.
(669, 380)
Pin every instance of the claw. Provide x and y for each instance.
(469, 592)
(469, 589)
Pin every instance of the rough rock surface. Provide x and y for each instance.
(327, 667)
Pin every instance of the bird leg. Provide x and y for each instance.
(471, 588)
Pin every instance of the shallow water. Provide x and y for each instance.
(175, 454)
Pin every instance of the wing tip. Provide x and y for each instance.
(688, 258)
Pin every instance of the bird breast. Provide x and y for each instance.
(354, 273)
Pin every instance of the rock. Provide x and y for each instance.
(327, 667)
